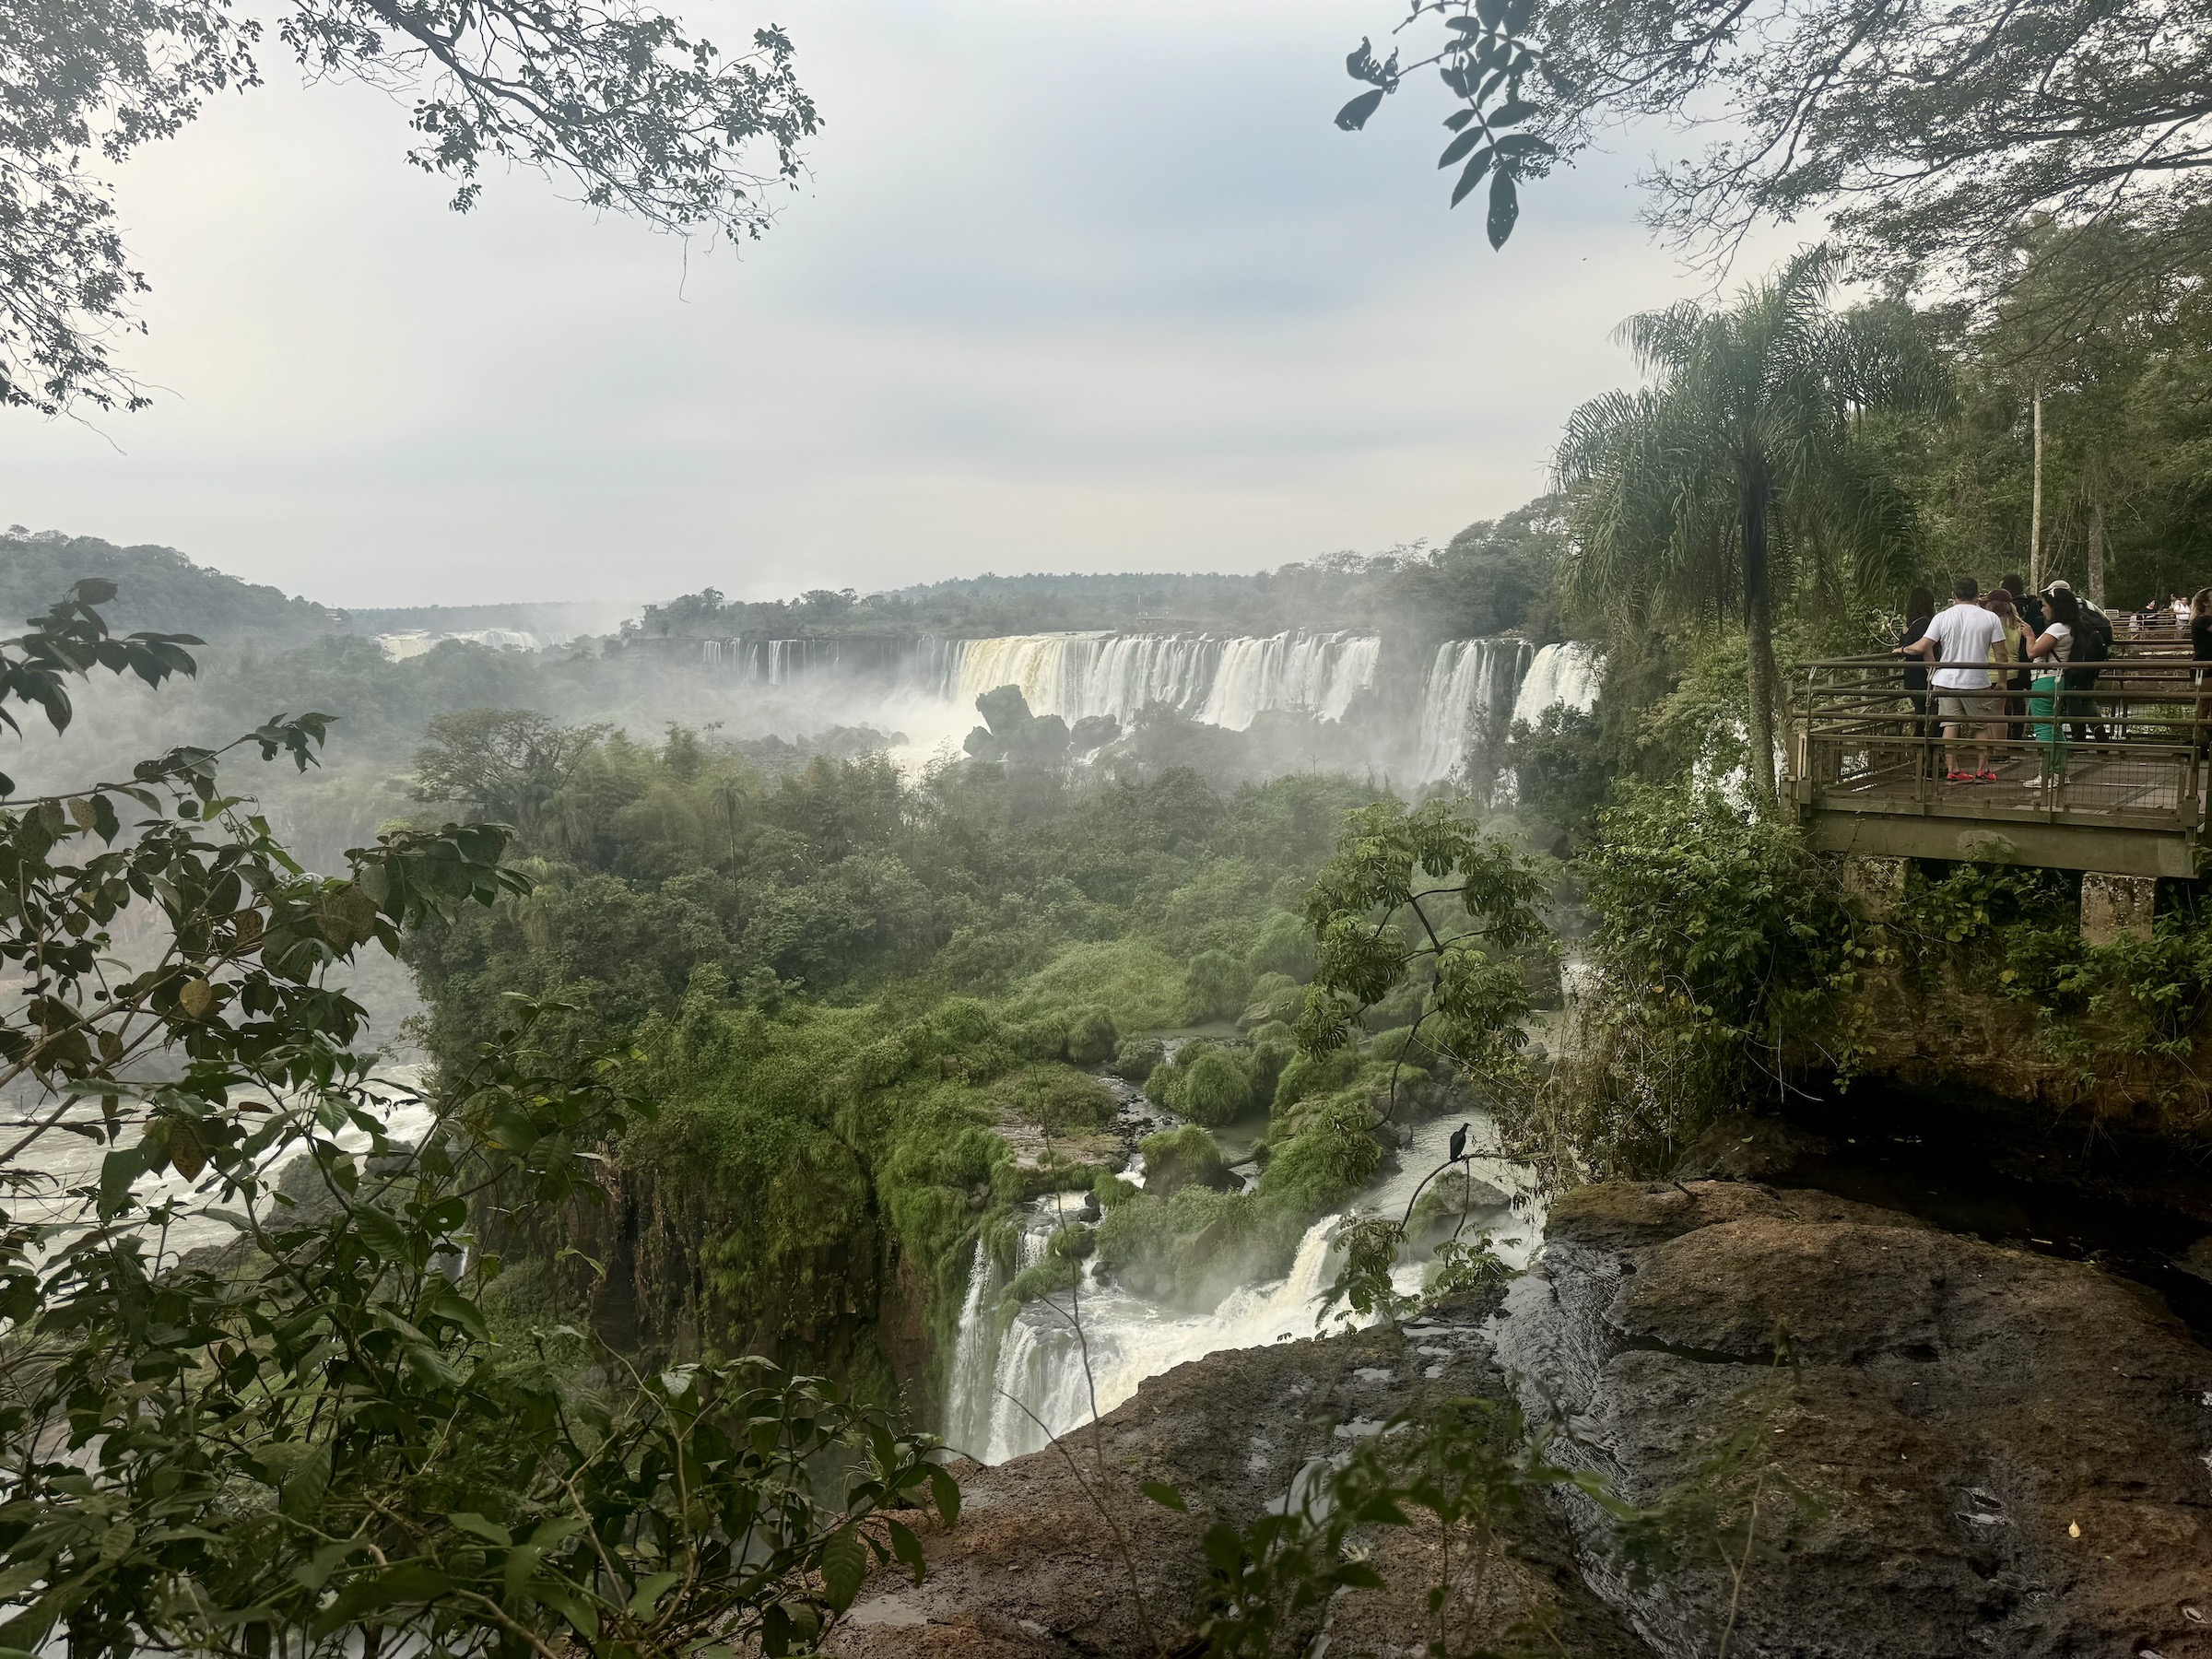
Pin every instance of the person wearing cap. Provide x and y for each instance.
(2092, 647)
(1959, 640)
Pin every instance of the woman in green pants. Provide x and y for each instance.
(2048, 654)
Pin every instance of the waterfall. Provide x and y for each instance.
(1223, 680)
(1040, 1363)
(771, 662)
(1565, 674)
(1470, 689)
(968, 1385)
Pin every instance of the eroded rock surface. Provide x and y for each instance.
(2003, 1454)
(1033, 1570)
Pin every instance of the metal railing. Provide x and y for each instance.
(2119, 743)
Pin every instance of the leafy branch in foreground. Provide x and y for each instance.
(1425, 894)
(619, 101)
(1929, 132)
(302, 1437)
(1486, 55)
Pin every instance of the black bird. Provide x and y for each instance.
(1459, 1143)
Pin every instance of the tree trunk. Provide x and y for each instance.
(2035, 503)
(1758, 628)
(2096, 553)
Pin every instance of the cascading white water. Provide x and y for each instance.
(1222, 680)
(1038, 1388)
(1471, 684)
(974, 1357)
(1567, 673)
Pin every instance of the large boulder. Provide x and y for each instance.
(1037, 1568)
(1956, 1449)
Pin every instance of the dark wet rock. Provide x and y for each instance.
(1033, 1568)
(2197, 1259)
(1753, 1148)
(2003, 1454)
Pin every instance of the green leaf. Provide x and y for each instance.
(945, 1491)
(1460, 146)
(118, 1170)
(1353, 116)
(1224, 1548)
(410, 1583)
(844, 1566)
(650, 1591)
(1166, 1496)
(381, 1232)
(1511, 112)
(477, 1526)
(301, 1494)
(1505, 208)
(908, 1548)
(1472, 177)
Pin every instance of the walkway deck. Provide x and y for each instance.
(2117, 784)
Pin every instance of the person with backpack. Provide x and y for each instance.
(2048, 654)
(2092, 647)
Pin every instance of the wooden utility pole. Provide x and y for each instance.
(2035, 504)
(2096, 553)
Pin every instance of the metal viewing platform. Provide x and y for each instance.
(2113, 779)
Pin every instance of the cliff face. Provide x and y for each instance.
(1949, 1036)
(1963, 1449)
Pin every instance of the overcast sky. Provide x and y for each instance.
(1074, 285)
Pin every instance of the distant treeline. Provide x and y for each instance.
(1494, 575)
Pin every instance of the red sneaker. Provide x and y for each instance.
(1987, 777)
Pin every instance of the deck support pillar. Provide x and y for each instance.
(1878, 884)
(2116, 905)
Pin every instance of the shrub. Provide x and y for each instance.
(1091, 1038)
(1056, 1098)
(1305, 1076)
(1276, 998)
(1135, 1058)
(1179, 1157)
(1219, 983)
(1140, 987)
(1331, 1156)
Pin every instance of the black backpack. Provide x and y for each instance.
(2093, 640)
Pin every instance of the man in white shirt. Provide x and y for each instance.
(1959, 638)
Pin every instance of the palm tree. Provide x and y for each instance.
(1733, 473)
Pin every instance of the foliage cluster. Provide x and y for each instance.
(857, 995)
(306, 1438)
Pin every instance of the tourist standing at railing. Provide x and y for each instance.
(1958, 641)
(2200, 648)
(2092, 648)
(2006, 659)
(1919, 610)
(2048, 654)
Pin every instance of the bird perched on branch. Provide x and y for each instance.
(1459, 1143)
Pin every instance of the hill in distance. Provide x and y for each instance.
(159, 590)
